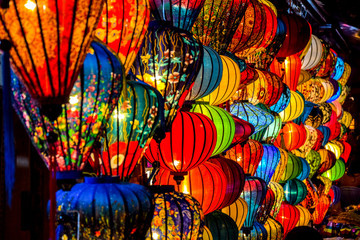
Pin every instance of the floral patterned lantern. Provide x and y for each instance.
(314, 161)
(124, 31)
(295, 191)
(268, 163)
(221, 226)
(243, 130)
(326, 109)
(305, 216)
(336, 172)
(169, 60)
(321, 209)
(328, 65)
(291, 136)
(190, 142)
(346, 74)
(312, 197)
(288, 217)
(237, 211)
(279, 196)
(281, 166)
(258, 232)
(288, 70)
(293, 168)
(264, 211)
(315, 117)
(274, 229)
(295, 107)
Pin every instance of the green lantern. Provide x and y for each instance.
(224, 123)
(336, 172)
(314, 160)
(293, 168)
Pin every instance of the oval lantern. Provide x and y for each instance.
(293, 168)
(224, 125)
(207, 183)
(190, 142)
(103, 216)
(283, 101)
(326, 133)
(321, 209)
(305, 170)
(235, 179)
(209, 76)
(313, 55)
(273, 130)
(294, 191)
(288, 70)
(335, 131)
(304, 77)
(82, 119)
(274, 229)
(176, 214)
(305, 216)
(248, 155)
(295, 107)
(336, 172)
(311, 137)
(221, 226)
(279, 196)
(264, 211)
(308, 107)
(281, 166)
(328, 65)
(169, 60)
(337, 91)
(207, 234)
(288, 217)
(243, 130)
(47, 68)
(328, 160)
(259, 135)
(325, 51)
(258, 232)
(346, 74)
(292, 136)
(237, 211)
(124, 31)
(254, 194)
(268, 163)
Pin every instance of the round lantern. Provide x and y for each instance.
(311, 137)
(169, 59)
(288, 217)
(325, 51)
(312, 197)
(313, 55)
(237, 211)
(291, 136)
(264, 211)
(293, 168)
(124, 31)
(328, 160)
(288, 70)
(224, 124)
(337, 90)
(104, 216)
(207, 183)
(304, 77)
(190, 142)
(177, 215)
(254, 194)
(305, 170)
(243, 130)
(207, 234)
(336, 172)
(305, 216)
(335, 131)
(283, 101)
(319, 140)
(274, 229)
(273, 130)
(209, 76)
(339, 69)
(279, 196)
(82, 119)
(314, 161)
(344, 93)
(221, 226)
(326, 133)
(334, 148)
(346, 153)
(259, 135)
(248, 155)
(321, 209)
(297, 35)
(235, 179)
(345, 76)
(346, 119)
(328, 65)
(294, 191)
(294, 109)
(247, 73)
(258, 232)
(281, 166)
(315, 117)
(47, 68)
(268, 163)
(259, 118)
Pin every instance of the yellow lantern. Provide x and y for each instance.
(281, 166)
(275, 230)
(237, 211)
(279, 196)
(294, 109)
(346, 74)
(228, 85)
(207, 234)
(335, 148)
(327, 185)
(344, 93)
(328, 90)
(270, 5)
(304, 77)
(346, 119)
(305, 216)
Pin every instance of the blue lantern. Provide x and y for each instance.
(258, 232)
(305, 170)
(337, 90)
(339, 69)
(283, 101)
(268, 163)
(308, 107)
(326, 132)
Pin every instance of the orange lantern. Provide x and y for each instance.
(288, 216)
(281, 166)
(304, 77)
(288, 70)
(305, 216)
(321, 209)
(291, 136)
(237, 211)
(328, 160)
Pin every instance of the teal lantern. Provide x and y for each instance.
(259, 135)
(305, 170)
(337, 171)
(273, 130)
(339, 69)
(326, 132)
(222, 227)
(268, 163)
(283, 101)
(258, 232)
(294, 191)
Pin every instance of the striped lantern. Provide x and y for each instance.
(293, 168)
(268, 163)
(274, 229)
(305, 170)
(237, 211)
(279, 196)
(294, 191)
(295, 107)
(273, 130)
(258, 232)
(243, 130)
(283, 101)
(336, 172)
(288, 217)
(305, 216)
(304, 77)
(313, 55)
(288, 70)
(264, 211)
(292, 136)
(281, 166)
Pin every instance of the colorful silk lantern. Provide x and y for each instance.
(314, 160)
(323, 185)
(47, 68)
(334, 148)
(291, 136)
(327, 111)
(308, 107)
(336, 172)
(325, 51)
(335, 194)
(281, 166)
(346, 153)
(304, 77)
(319, 140)
(311, 136)
(337, 90)
(248, 155)
(264, 211)
(328, 160)
(207, 183)
(336, 106)
(221, 226)
(273, 130)
(313, 55)
(321, 209)
(293, 168)
(346, 74)
(346, 119)
(254, 193)
(169, 60)
(312, 197)
(328, 65)
(209, 76)
(344, 93)
(124, 31)
(283, 101)
(294, 109)
(339, 69)
(81, 119)
(258, 232)
(190, 142)
(259, 118)
(243, 130)
(315, 117)
(103, 216)
(176, 214)
(237, 211)
(279, 196)
(305, 216)
(305, 170)
(259, 135)
(288, 217)
(288, 70)
(235, 179)
(326, 133)
(274, 229)
(268, 163)
(335, 130)
(224, 124)
(294, 191)
(247, 72)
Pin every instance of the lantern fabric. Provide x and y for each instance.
(347, 151)
(207, 183)
(124, 31)
(305, 170)
(221, 226)
(273, 130)
(336, 172)
(336, 106)
(313, 55)
(176, 214)
(323, 184)
(224, 124)
(274, 229)
(304, 77)
(288, 217)
(259, 135)
(209, 76)
(237, 211)
(169, 59)
(339, 69)
(264, 211)
(243, 130)
(283, 101)
(315, 117)
(319, 140)
(254, 192)
(279, 196)
(104, 216)
(312, 197)
(335, 130)
(248, 155)
(314, 161)
(190, 142)
(305, 216)
(288, 70)
(268, 163)
(235, 179)
(328, 65)
(326, 133)
(346, 119)
(82, 118)
(328, 160)
(308, 107)
(294, 109)
(337, 90)
(258, 232)
(346, 74)
(297, 35)
(293, 168)
(281, 166)
(257, 117)
(326, 109)
(344, 93)
(247, 73)
(334, 148)
(49, 69)
(336, 192)
(207, 234)
(311, 136)
(294, 191)
(291, 136)
(321, 209)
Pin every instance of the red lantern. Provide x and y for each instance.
(264, 211)
(190, 142)
(319, 140)
(328, 160)
(206, 183)
(235, 179)
(335, 130)
(328, 65)
(321, 209)
(291, 136)
(288, 216)
(288, 70)
(243, 131)
(248, 76)
(347, 150)
(247, 154)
